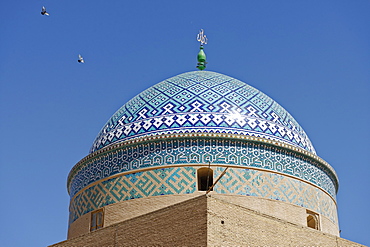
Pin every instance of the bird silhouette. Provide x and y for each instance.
(80, 59)
(43, 11)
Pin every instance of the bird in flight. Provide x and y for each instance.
(80, 59)
(43, 11)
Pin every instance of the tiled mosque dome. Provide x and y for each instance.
(206, 102)
(174, 136)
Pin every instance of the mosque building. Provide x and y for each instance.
(202, 159)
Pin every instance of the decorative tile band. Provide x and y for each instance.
(187, 151)
(182, 180)
(203, 122)
(277, 187)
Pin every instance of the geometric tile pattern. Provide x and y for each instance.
(202, 101)
(201, 151)
(165, 181)
(277, 187)
(182, 180)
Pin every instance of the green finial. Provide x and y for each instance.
(201, 59)
(201, 55)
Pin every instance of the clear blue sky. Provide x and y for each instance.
(312, 57)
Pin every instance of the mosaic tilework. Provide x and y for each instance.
(277, 187)
(202, 101)
(165, 181)
(182, 180)
(201, 151)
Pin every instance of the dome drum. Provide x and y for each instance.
(138, 154)
(113, 164)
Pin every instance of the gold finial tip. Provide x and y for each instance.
(201, 37)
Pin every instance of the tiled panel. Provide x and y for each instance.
(202, 151)
(277, 187)
(164, 181)
(182, 180)
(202, 101)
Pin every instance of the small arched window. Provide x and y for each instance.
(205, 178)
(313, 220)
(97, 220)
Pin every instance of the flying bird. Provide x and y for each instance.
(80, 59)
(43, 11)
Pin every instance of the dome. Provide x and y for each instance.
(202, 101)
(177, 137)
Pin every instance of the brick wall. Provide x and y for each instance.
(234, 225)
(183, 224)
(206, 221)
(278, 209)
(129, 209)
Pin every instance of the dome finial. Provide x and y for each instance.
(202, 38)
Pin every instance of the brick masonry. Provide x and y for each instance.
(206, 221)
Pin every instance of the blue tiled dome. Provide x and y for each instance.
(202, 101)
